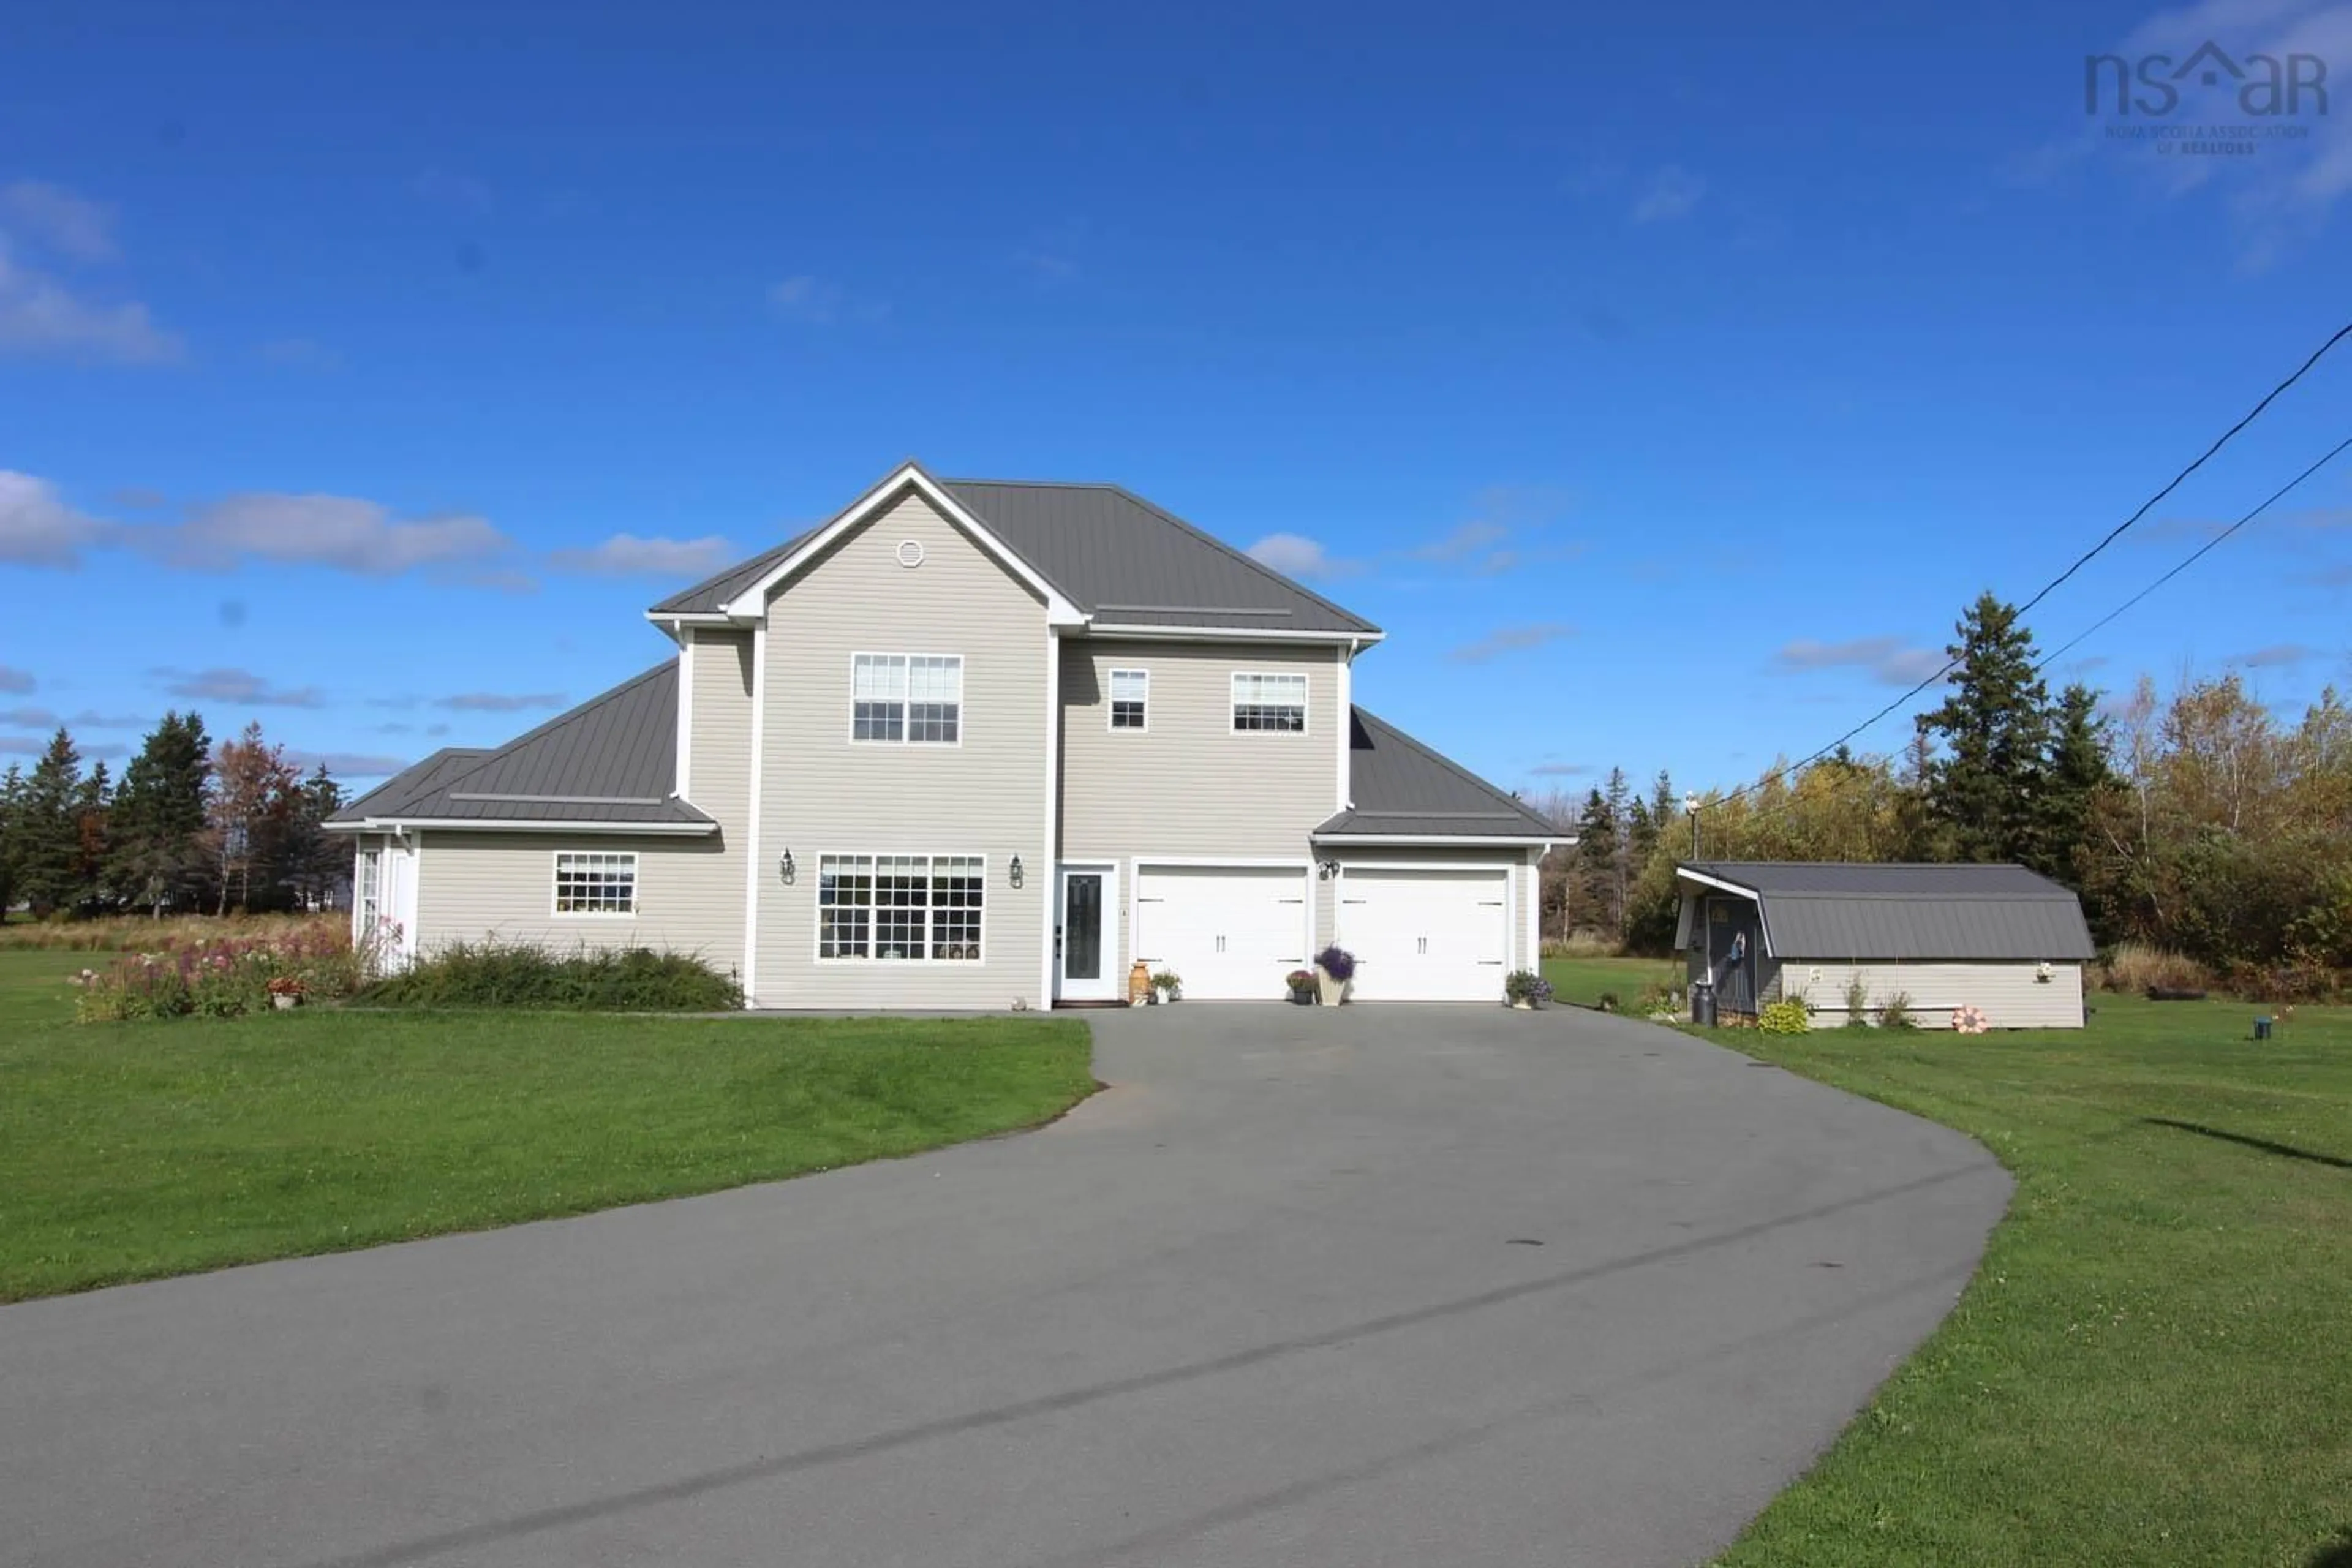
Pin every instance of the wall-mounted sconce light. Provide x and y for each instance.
(787, 869)
(1013, 870)
(1326, 869)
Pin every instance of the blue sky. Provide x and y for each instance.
(1663, 389)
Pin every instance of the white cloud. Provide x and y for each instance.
(37, 529)
(2276, 655)
(1467, 538)
(1296, 556)
(301, 353)
(39, 315)
(57, 220)
(29, 718)
(498, 701)
(463, 192)
(16, 681)
(1511, 639)
(241, 687)
(627, 555)
(1888, 660)
(340, 532)
(1673, 191)
(814, 302)
(1562, 769)
(350, 765)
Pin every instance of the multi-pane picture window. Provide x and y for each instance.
(367, 895)
(601, 883)
(1269, 703)
(1130, 692)
(902, 697)
(899, 907)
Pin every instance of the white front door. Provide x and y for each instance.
(1425, 935)
(1230, 932)
(1085, 935)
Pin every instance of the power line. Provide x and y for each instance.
(2081, 561)
(2195, 555)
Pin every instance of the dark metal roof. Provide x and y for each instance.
(612, 759)
(1114, 554)
(1844, 909)
(1398, 787)
(1128, 563)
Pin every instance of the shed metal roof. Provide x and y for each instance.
(1847, 911)
(1121, 559)
(612, 759)
(1398, 787)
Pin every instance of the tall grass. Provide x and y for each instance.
(517, 974)
(2136, 967)
(1583, 944)
(142, 933)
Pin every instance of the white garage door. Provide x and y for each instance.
(1230, 932)
(1425, 936)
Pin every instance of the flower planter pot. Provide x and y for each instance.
(281, 1000)
(1302, 999)
(1523, 1006)
(1334, 990)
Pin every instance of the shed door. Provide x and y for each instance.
(1733, 937)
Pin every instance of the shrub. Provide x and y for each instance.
(1338, 963)
(518, 975)
(2134, 966)
(1857, 1001)
(1894, 1013)
(1789, 1015)
(1607, 1002)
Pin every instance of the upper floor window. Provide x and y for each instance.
(907, 698)
(1130, 695)
(1276, 703)
(599, 883)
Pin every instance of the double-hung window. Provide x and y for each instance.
(907, 698)
(899, 907)
(1130, 696)
(601, 883)
(1269, 703)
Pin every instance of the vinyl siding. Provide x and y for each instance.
(822, 795)
(1522, 881)
(1186, 786)
(2007, 991)
(721, 769)
(477, 885)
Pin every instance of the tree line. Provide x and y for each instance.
(190, 827)
(2203, 823)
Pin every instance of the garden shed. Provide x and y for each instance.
(2001, 939)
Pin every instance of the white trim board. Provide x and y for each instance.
(752, 872)
(530, 824)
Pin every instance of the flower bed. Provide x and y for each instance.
(222, 976)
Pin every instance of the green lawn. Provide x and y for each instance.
(128, 1152)
(1582, 980)
(2154, 1364)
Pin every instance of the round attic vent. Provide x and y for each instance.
(910, 553)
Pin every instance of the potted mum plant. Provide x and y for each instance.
(1525, 989)
(286, 991)
(1302, 987)
(1337, 966)
(1167, 985)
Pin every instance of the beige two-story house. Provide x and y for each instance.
(975, 745)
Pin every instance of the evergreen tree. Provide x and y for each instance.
(1985, 789)
(47, 831)
(316, 860)
(1596, 859)
(2078, 775)
(153, 857)
(91, 805)
(12, 812)
(1620, 801)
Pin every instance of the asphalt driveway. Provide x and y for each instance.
(1374, 1285)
